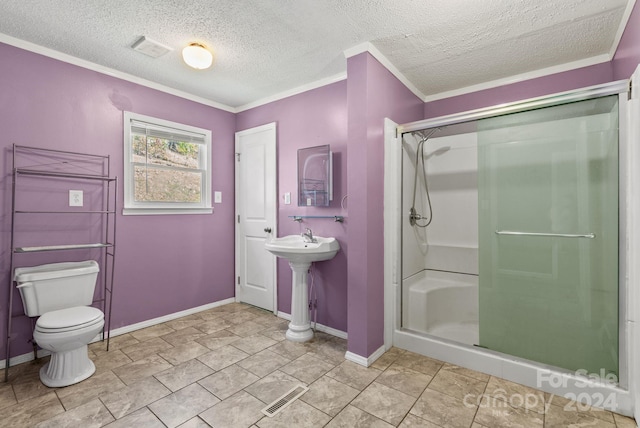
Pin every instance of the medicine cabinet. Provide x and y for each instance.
(315, 183)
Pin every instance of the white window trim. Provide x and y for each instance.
(162, 208)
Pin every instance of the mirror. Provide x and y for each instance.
(315, 187)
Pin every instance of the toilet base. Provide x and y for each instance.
(68, 367)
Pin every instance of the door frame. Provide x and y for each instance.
(392, 229)
(633, 236)
(238, 208)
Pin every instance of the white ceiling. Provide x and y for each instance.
(266, 47)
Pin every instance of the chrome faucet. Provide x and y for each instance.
(308, 236)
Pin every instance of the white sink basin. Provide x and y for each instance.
(294, 249)
(300, 255)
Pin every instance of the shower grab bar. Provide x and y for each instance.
(553, 235)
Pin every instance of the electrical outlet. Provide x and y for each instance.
(287, 198)
(217, 197)
(76, 198)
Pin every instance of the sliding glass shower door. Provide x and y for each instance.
(548, 234)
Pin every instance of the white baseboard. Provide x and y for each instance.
(364, 361)
(19, 359)
(320, 327)
(24, 358)
(148, 323)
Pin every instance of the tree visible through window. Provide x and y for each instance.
(168, 166)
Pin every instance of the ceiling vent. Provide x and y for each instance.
(150, 47)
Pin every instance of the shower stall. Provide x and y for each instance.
(508, 258)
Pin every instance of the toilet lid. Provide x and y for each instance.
(71, 317)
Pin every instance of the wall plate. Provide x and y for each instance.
(76, 198)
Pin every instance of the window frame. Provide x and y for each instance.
(132, 207)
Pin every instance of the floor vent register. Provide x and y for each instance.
(274, 408)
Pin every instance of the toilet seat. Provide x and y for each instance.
(69, 319)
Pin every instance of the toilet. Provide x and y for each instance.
(60, 295)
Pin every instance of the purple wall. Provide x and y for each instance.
(373, 93)
(171, 263)
(165, 264)
(310, 119)
(627, 57)
(568, 80)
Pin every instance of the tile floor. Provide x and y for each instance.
(220, 367)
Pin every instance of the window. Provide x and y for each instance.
(167, 167)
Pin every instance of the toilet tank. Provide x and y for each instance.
(56, 286)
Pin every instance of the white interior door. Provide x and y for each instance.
(256, 216)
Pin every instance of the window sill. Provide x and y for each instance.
(166, 211)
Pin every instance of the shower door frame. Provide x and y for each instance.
(495, 363)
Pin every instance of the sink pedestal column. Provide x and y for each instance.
(299, 327)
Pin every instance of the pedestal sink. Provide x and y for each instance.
(300, 255)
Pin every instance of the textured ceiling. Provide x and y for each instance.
(265, 47)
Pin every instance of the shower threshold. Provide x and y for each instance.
(462, 332)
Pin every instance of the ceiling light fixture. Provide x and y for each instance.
(197, 56)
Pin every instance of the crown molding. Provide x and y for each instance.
(295, 91)
(51, 53)
(519, 77)
(374, 52)
(623, 26)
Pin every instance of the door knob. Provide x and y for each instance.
(267, 229)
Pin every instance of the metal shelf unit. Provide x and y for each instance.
(58, 165)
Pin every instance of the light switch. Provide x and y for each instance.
(287, 198)
(75, 198)
(217, 197)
